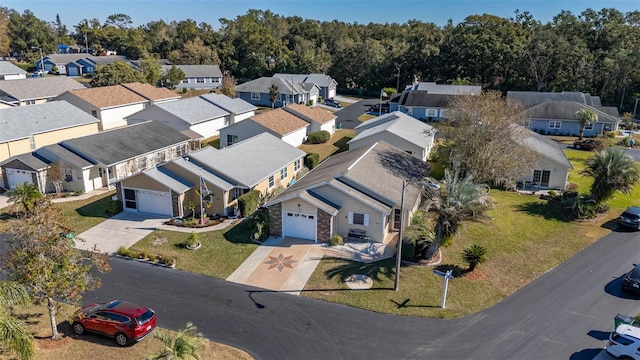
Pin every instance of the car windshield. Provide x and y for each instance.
(630, 215)
(635, 273)
(144, 318)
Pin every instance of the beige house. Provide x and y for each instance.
(357, 189)
(31, 91)
(318, 118)
(261, 163)
(26, 128)
(279, 123)
(113, 104)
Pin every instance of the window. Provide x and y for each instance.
(161, 157)
(226, 121)
(130, 198)
(142, 163)
(527, 123)
(431, 112)
(94, 113)
(68, 175)
(296, 165)
(200, 80)
(31, 102)
(555, 124)
(32, 143)
(255, 96)
(283, 173)
(445, 113)
(184, 81)
(588, 126)
(358, 219)
(272, 181)
(232, 139)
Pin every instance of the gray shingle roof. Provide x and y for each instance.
(23, 121)
(248, 162)
(321, 80)
(425, 99)
(443, 89)
(197, 70)
(171, 181)
(39, 88)
(399, 124)
(34, 162)
(65, 58)
(262, 85)
(208, 177)
(540, 144)
(373, 174)
(235, 105)
(116, 145)
(531, 98)
(8, 68)
(63, 154)
(192, 110)
(565, 110)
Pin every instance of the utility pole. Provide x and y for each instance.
(86, 44)
(398, 82)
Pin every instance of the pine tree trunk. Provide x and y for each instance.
(52, 317)
(434, 246)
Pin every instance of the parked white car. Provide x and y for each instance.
(624, 343)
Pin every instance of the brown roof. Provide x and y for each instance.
(151, 92)
(279, 121)
(316, 114)
(108, 96)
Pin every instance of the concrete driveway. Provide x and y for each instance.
(123, 229)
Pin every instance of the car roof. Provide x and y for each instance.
(633, 210)
(628, 330)
(125, 308)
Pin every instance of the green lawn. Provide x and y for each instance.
(337, 144)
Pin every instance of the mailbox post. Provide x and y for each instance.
(447, 276)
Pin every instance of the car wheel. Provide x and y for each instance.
(122, 339)
(78, 328)
(577, 147)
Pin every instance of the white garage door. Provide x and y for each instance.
(298, 225)
(154, 202)
(17, 177)
(332, 93)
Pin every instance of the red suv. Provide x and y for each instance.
(124, 321)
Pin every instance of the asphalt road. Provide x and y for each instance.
(348, 115)
(566, 313)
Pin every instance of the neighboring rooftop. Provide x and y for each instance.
(191, 71)
(397, 123)
(193, 110)
(565, 110)
(235, 105)
(279, 121)
(38, 88)
(540, 144)
(309, 114)
(433, 88)
(531, 98)
(8, 68)
(262, 85)
(105, 97)
(151, 92)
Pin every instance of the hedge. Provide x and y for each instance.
(248, 203)
(319, 137)
(312, 160)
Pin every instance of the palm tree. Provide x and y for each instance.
(585, 116)
(474, 255)
(612, 170)
(25, 194)
(14, 335)
(183, 346)
(459, 200)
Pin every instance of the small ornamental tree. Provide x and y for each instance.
(474, 255)
(274, 94)
(57, 173)
(25, 194)
(228, 86)
(47, 264)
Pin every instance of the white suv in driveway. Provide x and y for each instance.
(624, 343)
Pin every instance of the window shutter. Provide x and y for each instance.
(366, 219)
(350, 217)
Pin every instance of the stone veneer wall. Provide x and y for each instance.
(275, 220)
(324, 226)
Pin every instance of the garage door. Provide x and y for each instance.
(154, 202)
(299, 225)
(17, 177)
(332, 93)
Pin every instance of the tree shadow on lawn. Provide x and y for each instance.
(240, 233)
(549, 211)
(376, 270)
(405, 304)
(341, 144)
(97, 208)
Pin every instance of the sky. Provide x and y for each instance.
(439, 12)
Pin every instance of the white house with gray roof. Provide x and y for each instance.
(9, 71)
(399, 130)
(262, 163)
(198, 77)
(256, 92)
(357, 189)
(31, 91)
(328, 86)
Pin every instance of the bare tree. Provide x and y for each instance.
(57, 173)
(487, 144)
(229, 86)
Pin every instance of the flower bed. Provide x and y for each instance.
(154, 259)
(195, 223)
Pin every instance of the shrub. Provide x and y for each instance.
(113, 207)
(610, 134)
(193, 239)
(474, 255)
(123, 251)
(579, 206)
(552, 193)
(310, 102)
(184, 90)
(571, 187)
(248, 203)
(312, 160)
(143, 255)
(625, 141)
(543, 132)
(168, 260)
(152, 257)
(77, 193)
(319, 137)
(408, 249)
(336, 240)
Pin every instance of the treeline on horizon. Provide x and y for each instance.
(596, 52)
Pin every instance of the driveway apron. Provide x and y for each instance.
(123, 229)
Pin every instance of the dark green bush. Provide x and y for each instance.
(248, 203)
(408, 249)
(312, 160)
(319, 137)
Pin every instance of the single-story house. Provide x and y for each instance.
(8, 71)
(428, 101)
(39, 90)
(528, 99)
(318, 118)
(399, 130)
(256, 92)
(113, 104)
(26, 128)
(328, 86)
(59, 61)
(198, 77)
(552, 169)
(358, 189)
(279, 123)
(558, 117)
(78, 64)
(101, 160)
(261, 163)
(201, 116)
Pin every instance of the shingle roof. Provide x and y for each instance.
(192, 110)
(235, 105)
(39, 88)
(24, 121)
(425, 99)
(116, 145)
(8, 68)
(248, 162)
(565, 110)
(64, 154)
(443, 89)
(109, 96)
(279, 121)
(171, 181)
(28, 159)
(321, 80)
(197, 70)
(262, 85)
(196, 170)
(540, 144)
(151, 92)
(371, 173)
(531, 98)
(308, 114)
(65, 58)
(399, 124)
